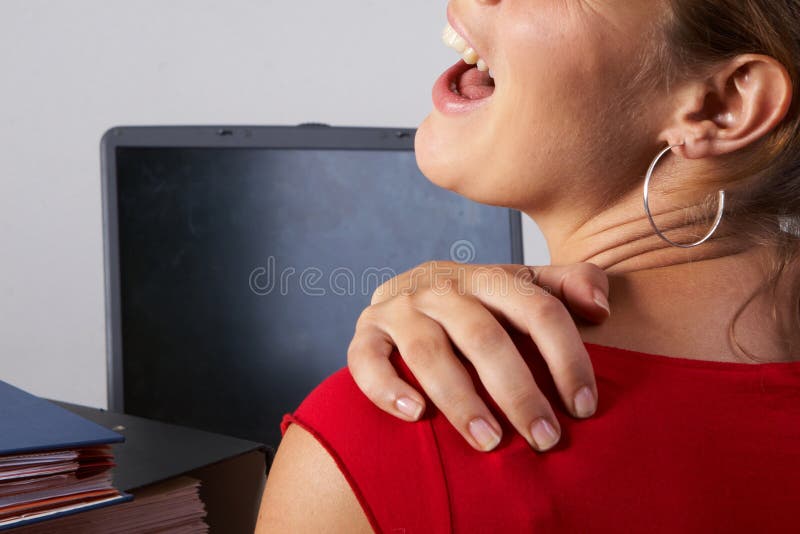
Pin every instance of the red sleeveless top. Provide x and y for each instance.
(677, 445)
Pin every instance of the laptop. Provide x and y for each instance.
(238, 260)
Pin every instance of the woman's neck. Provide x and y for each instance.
(670, 300)
(619, 242)
(687, 310)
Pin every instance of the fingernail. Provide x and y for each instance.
(585, 404)
(408, 407)
(543, 433)
(484, 434)
(601, 300)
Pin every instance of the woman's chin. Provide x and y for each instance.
(442, 159)
(438, 158)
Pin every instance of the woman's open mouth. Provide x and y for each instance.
(467, 84)
(462, 88)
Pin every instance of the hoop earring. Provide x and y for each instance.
(717, 221)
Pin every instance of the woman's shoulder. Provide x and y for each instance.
(306, 491)
(423, 477)
(393, 467)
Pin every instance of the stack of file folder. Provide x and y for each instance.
(52, 461)
(173, 506)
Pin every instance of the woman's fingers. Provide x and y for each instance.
(583, 287)
(428, 353)
(500, 367)
(558, 340)
(545, 319)
(368, 361)
(427, 310)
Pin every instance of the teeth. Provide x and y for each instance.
(452, 39)
(470, 56)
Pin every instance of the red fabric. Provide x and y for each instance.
(677, 446)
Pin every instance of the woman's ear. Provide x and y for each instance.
(741, 102)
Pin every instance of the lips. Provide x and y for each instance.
(461, 89)
(466, 85)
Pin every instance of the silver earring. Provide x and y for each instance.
(720, 209)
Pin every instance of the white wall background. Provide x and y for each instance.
(70, 70)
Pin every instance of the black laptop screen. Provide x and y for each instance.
(243, 270)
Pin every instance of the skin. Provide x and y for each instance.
(569, 148)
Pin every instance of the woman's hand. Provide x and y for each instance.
(425, 309)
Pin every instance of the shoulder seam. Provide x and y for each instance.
(373, 522)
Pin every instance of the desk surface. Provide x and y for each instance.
(155, 451)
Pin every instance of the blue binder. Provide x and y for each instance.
(29, 424)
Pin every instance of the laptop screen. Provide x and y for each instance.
(242, 271)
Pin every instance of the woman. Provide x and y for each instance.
(699, 425)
